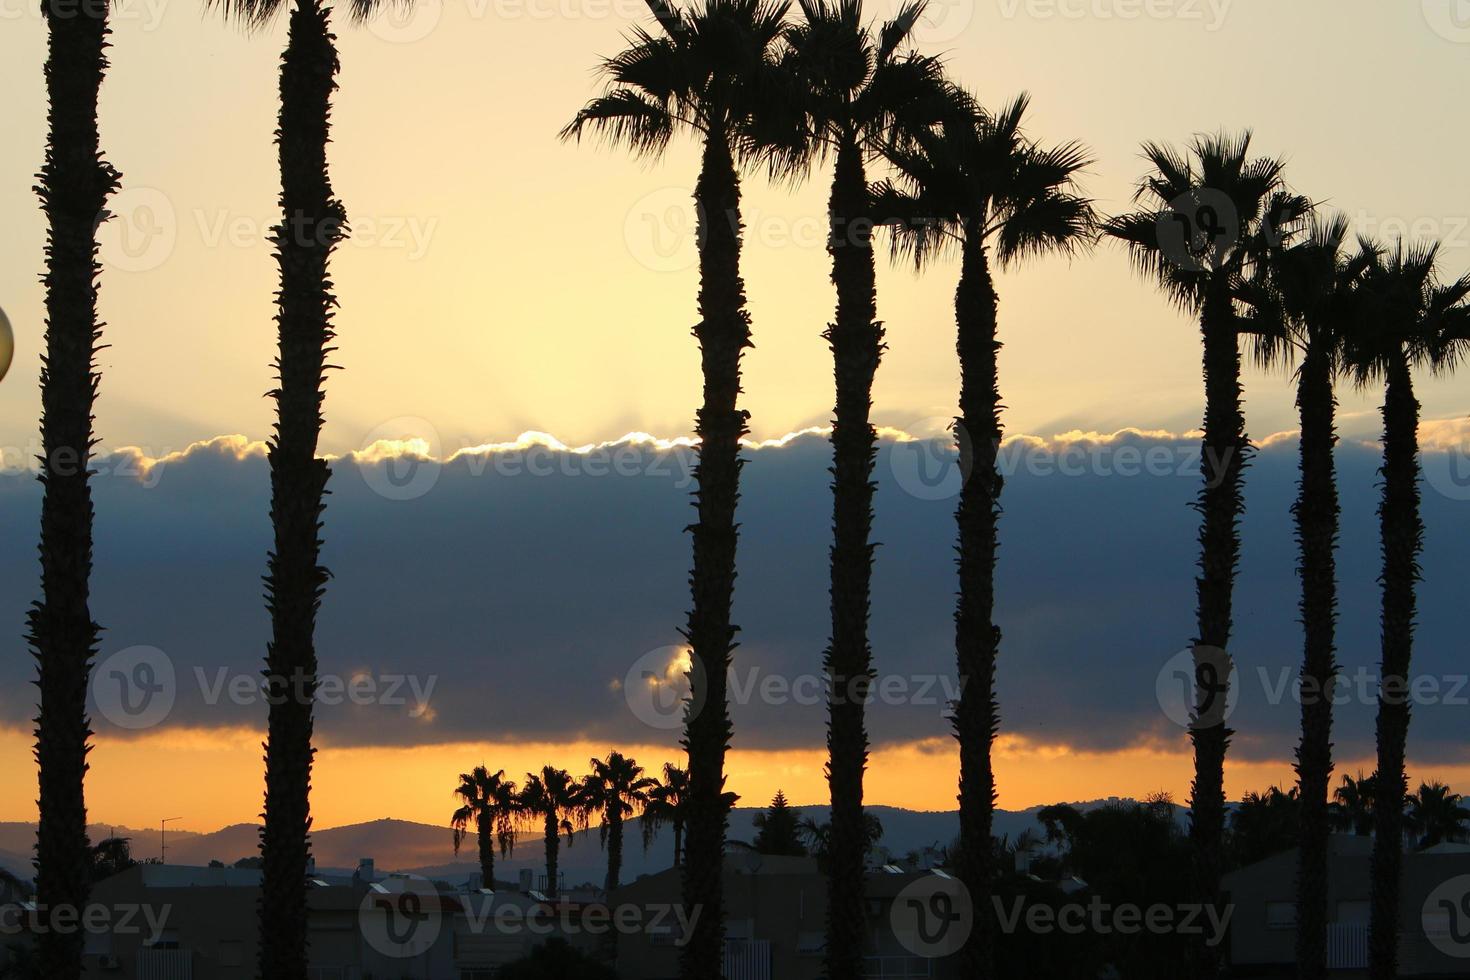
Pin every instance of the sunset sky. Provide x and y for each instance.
(502, 282)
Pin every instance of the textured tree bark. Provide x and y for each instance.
(1403, 536)
(723, 333)
(313, 222)
(977, 638)
(75, 183)
(1224, 451)
(1316, 512)
(856, 341)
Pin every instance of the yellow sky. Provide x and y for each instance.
(501, 281)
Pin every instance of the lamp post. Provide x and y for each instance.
(162, 840)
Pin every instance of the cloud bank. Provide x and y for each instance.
(515, 591)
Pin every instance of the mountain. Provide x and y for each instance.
(402, 845)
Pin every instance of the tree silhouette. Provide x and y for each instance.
(1353, 804)
(74, 185)
(1302, 305)
(555, 798)
(857, 86)
(778, 829)
(668, 803)
(974, 183)
(1404, 320)
(712, 72)
(313, 222)
(1437, 815)
(1210, 217)
(617, 789)
(490, 802)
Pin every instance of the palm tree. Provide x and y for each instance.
(712, 72)
(616, 789)
(313, 222)
(1405, 314)
(1209, 217)
(75, 183)
(110, 856)
(1304, 302)
(1353, 804)
(555, 797)
(668, 803)
(973, 183)
(858, 86)
(489, 802)
(1437, 815)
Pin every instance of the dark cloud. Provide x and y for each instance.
(524, 584)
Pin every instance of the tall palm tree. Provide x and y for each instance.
(668, 803)
(857, 85)
(976, 183)
(490, 802)
(1437, 815)
(712, 72)
(1302, 305)
(1405, 314)
(313, 223)
(554, 797)
(75, 183)
(1208, 218)
(1353, 804)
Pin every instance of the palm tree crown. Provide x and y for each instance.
(976, 176)
(489, 803)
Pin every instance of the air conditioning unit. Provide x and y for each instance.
(109, 962)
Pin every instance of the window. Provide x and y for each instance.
(1280, 915)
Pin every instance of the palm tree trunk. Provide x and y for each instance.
(1403, 535)
(313, 222)
(678, 843)
(977, 638)
(485, 839)
(1223, 458)
(75, 185)
(553, 849)
(1316, 513)
(856, 341)
(723, 334)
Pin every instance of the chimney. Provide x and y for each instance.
(528, 880)
(365, 869)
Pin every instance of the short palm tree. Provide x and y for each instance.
(1353, 805)
(616, 789)
(1301, 306)
(1404, 320)
(1209, 217)
(313, 223)
(859, 85)
(1436, 815)
(975, 183)
(668, 804)
(553, 797)
(489, 802)
(712, 71)
(75, 183)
